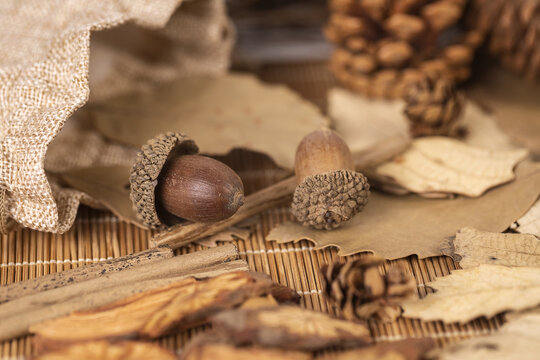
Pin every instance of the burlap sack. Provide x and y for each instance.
(55, 55)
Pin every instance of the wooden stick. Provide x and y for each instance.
(175, 266)
(87, 272)
(180, 235)
(20, 323)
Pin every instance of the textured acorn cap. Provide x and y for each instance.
(146, 169)
(325, 201)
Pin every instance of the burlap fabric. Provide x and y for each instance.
(55, 55)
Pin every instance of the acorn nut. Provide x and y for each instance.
(330, 192)
(170, 183)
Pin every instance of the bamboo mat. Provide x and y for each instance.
(97, 236)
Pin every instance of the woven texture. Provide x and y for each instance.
(44, 77)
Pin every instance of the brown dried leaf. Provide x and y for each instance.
(366, 124)
(108, 185)
(530, 222)
(410, 349)
(395, 227)
(207, 348)
(444, 165)
(221, 113)
(289, 327)
(514, 103)
(153, 313)
(109, 351)
(481, 129)
(517, 339)
(369, 125)
(472, 247)
(485, 290)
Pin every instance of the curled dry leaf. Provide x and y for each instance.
(436, 165)
(106, 185)
(221, 113)
(530, 222)
(369, 126)
(472, 247)
(514, 103)
(207, 347)
(410, 349)
(395, 227)
(485, 290)
(289, 327)
(517, 339)
(156, 312)
(481, 129)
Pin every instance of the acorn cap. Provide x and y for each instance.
(146, 169)
(325, 201)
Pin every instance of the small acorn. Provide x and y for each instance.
(170, 183)
(329, 192)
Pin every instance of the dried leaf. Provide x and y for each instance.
(153, 313)
(289, 327)
(514, 103)
(109, 351)
(485, 290)
(366, 124)
(108, 185)
(530, 222)
(517, 339)
(231, 234)
(410, 349)
(394, 227)
(210, 348)
(221, 113)
(481, 129)
(472, 247)
(443, 165)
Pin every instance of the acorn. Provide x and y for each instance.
(329, 191)
(171, 183)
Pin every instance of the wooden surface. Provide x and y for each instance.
(98, 235)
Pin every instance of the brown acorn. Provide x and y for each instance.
(330, 191)
(170, 183)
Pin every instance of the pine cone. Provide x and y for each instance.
(385, 39)
(433, 106)
(360, 291)
(512, 28)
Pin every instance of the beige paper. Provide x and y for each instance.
(399, 226)
(471, 248)
(220, 113)
(485, 290)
